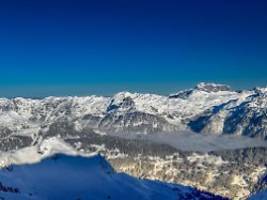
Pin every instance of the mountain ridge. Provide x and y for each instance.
(150, 136)
(137, 112)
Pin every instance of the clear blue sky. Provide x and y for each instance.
(96, 46)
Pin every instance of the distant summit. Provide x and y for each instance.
(206, 87)
(212, 87)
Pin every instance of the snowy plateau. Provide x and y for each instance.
(207, 142)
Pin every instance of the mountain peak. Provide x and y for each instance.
(121, 101)
(261, 90)
(212, 87)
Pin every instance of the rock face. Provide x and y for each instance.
(247, 117)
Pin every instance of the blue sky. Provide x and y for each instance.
(83, 47)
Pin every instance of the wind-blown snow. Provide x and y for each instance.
(34, 154)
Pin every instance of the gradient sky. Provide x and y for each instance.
(95, 46)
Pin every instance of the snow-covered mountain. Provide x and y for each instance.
(147, 135)
(208, 108)
(41, 173)
(246, 115)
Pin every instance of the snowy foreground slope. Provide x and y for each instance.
(42, 173)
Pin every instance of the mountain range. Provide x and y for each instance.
(209, 137)
(207, 108)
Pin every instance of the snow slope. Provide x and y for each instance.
(43, 173)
